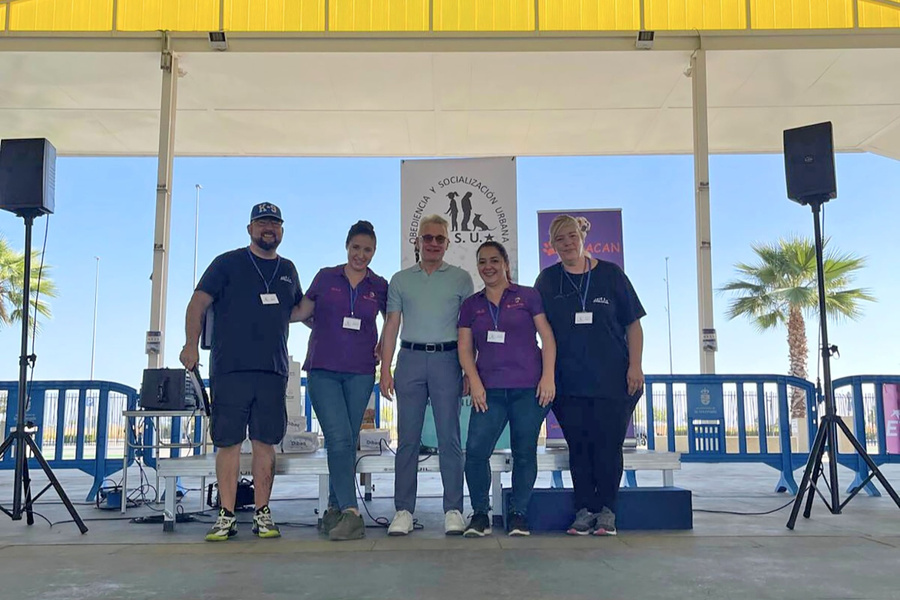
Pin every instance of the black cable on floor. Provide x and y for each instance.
(380, 522)
(43, 517)
(743, 514)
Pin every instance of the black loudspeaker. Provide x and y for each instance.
(809, 163)
(167, 389)
(27, 176)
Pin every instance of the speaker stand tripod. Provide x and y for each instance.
(20, 439)
(826, 438)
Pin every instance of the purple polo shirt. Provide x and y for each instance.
(332, 347)
(517, 362)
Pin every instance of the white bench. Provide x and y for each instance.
(549, 459)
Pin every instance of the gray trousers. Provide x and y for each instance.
(421, 376)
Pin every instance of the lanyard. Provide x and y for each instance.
(261, 276)
(354, 294)
(495, 316)
(581, 295)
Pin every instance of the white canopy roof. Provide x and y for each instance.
(452, 96)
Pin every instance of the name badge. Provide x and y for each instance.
(584, 318)
(497, 337)
(352, 323)
(269, 298)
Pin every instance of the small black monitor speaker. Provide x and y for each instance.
(809, 163)
(27, 176)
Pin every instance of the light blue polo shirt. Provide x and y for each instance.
(429, 304)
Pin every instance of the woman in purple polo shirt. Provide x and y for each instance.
(511, 381)
(344, 302)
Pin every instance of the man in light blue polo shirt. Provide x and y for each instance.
(426, 297)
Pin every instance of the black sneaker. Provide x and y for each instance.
(518, 525)
(479, 526)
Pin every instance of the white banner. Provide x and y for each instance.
(477, 196)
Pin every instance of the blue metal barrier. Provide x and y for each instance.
(869, 423)
(727, 438)
(79, 425)
(171, 431)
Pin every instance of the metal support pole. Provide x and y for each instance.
(169, 66)
(22, 398)
(830, 411)
(701, 208)
(94, 328)
(196, 233)
(669, 317)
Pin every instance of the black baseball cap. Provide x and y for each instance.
(265, 210)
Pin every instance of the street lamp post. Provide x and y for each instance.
(96, 295)
(196, 232)
(669, 316)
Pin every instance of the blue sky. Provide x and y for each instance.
(105, 208)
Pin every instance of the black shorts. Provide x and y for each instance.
(251, 399)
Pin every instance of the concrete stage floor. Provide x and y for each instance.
(853, 555)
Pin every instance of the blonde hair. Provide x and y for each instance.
(435, 220)
(565, 221)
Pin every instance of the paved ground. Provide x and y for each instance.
(853, 555)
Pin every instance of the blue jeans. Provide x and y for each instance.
(520, 408)
(340, 401)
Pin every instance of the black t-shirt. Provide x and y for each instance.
(247, 334)
(591, 359)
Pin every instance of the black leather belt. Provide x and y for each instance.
(439, 347)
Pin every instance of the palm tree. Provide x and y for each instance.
(12, 278)
(781, 289)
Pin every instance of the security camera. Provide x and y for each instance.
(644, 40)
(217, 40)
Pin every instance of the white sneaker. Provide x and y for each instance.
(454, 524)
(402, 523)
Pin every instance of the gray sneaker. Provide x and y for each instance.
(224, 527)
(350, 527)
(330, 520)
(583, 523)
(606, 522)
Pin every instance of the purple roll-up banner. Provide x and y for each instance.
(891, 406)
(603, 235)
(603, 240)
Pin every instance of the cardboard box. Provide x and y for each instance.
(293, 396)
(300, 443)
(368, 421)
(374, 440)
(296, 424)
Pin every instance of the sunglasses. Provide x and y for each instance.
(428, 238)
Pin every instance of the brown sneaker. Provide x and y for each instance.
(329, 520)
(350, 527)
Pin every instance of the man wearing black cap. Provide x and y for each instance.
(252, 291)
